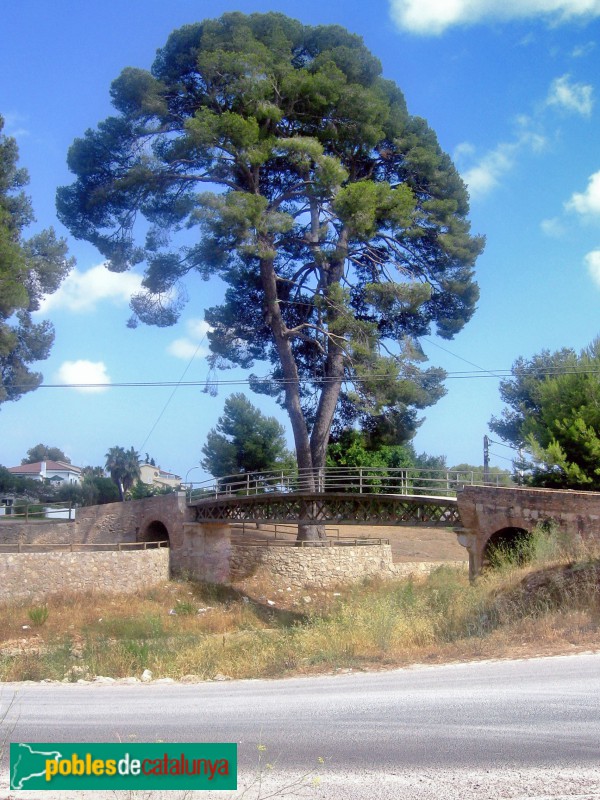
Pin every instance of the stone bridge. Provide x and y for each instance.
(199, 532)
(491, 516)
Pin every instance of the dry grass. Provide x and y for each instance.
(262, 630)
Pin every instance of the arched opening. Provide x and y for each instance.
(506, 545)
(155, 531)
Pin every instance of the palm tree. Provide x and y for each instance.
(123, 467)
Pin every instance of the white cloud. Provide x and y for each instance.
(592, 261)
(82, 372)
(197, 328)
(186, 349)
(484, 176)
(433, 17)
(13, 125)
(193, 345)
(553, 227)
(587, 203)
(583, 50)
(574, 97)
(82, 291)
(486, 173)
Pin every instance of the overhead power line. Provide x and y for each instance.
(503, 458)
(497, 374)
(177, 385)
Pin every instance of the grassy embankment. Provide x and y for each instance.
(550, 605)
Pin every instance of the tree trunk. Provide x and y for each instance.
(307, 531)
(311, 452)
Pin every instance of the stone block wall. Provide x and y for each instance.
(36, 532)
(33, 577)
(107, 524)
(204, 553)
(313, 566)
(489, 509)
(486, 510)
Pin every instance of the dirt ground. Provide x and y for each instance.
(408, 544)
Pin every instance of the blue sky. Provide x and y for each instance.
(511, 89)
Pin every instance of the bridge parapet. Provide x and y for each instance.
(323, 508)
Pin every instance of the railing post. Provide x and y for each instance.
(247, 484)
(360, 480)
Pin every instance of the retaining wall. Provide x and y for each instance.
(107, 524)
(313, 566)
(36, 576)
(326, 566)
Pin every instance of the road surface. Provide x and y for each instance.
(528, 728)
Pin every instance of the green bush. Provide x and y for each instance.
(38, 615)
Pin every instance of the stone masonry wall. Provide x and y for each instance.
(486, 510)
(313, 566)
(75, 532)
(490, 509)
(107, 524)
(35, 576)
(326, 566)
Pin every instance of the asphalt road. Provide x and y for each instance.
(516, 729)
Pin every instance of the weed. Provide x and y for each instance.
(38, 615)
(185, 607)
(391, 622)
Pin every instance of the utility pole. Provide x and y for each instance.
(486, 460)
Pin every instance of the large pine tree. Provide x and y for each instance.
(334, 217)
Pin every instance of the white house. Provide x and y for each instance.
(58, 473)
(155, 476)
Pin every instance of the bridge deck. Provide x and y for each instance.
(345, 508)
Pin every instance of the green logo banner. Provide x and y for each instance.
(62, 767)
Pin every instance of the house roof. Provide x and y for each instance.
(36, 468)
(161, 472)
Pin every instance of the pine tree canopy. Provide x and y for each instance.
(299, 178)
(29, 269)
(553, 413)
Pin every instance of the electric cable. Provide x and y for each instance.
(177, 385)
(282, 382)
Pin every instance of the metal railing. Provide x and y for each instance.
(344, 541)
(25, 511)
(276, 530)
(361, 480)
(75, 547)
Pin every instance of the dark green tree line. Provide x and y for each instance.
(42, 452)
(244, 440)
(553, 414)
(29, 269)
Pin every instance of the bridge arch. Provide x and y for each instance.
(154, 531)
(508, 539)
